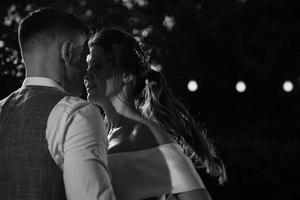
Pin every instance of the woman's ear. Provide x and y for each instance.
(66, 52)
(127, 78)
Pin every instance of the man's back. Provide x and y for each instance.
(27, 170)
(52, 145)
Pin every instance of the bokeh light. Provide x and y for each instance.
(141, 3)
(1, 43)
(169, 22)
(89, 12)
(241, 86)
(288, 86)
(192, 86)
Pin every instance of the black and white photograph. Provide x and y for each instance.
(149, 100)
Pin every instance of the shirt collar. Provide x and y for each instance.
(41, 81)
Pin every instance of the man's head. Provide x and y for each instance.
(54, 45)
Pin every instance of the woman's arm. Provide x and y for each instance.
(199, 194)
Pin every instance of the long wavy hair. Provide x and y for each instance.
(155, 101)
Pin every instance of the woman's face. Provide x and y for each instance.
(100, 81)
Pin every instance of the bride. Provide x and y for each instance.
(153, 142)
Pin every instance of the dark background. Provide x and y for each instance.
(216, 43)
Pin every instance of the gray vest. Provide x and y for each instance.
(27, 170)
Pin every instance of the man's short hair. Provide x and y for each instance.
(45, 25)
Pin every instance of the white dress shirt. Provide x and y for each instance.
(77, 141)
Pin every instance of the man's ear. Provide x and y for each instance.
(66, 52)
(127, 78)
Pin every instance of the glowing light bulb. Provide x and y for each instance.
(288, 86)
(192, 86)
(240, 86)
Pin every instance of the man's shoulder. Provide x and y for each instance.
(4, 99)
(70, 100)
(73, 104)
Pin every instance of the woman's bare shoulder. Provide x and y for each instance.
(149, 134)
(143, 135)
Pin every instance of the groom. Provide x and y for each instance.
(52, 144)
